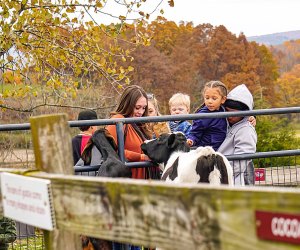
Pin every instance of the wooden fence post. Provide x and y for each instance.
(52, 148)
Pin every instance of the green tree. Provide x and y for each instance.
(275, 134)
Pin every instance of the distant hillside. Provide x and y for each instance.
(276, 38)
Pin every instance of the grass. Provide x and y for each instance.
(297, 132)
(15, 139)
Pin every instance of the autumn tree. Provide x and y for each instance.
(54, 47)
(165, 34)
(288, 88)
(195, 55)
(234, 60)
(164, 68)
(287, 54)
(268, 74)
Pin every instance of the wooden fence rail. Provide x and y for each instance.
(153, 213)
(168, 216)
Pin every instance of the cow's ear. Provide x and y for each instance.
(172, 141)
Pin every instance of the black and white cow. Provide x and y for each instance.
(182, 165)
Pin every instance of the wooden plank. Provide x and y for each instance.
(52, 149)
(52, 143)
(153, 213)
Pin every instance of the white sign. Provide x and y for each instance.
(27, 200)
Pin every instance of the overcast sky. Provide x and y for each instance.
(252, 17)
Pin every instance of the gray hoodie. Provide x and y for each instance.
(241, 138)
(242, 94)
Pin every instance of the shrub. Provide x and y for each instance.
(15, 139)
(274, 135)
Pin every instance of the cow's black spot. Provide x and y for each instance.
(220, 164)
(174, 173)
(205, 165)
(171, 171)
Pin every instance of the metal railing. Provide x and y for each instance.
(119, 122)
(274, 174)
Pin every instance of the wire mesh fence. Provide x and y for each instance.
(278, 171)
(16, 235)
(281, 169)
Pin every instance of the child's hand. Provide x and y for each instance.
(252, 120)
(190, 142)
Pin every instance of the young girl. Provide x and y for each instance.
(158, 128)
(210, 131)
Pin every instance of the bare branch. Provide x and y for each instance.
(31, 109)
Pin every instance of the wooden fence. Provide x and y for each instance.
(154, 213)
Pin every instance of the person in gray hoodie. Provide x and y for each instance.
(241, 137)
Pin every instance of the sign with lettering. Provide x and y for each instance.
(27, 200)
(278, 226)
(260, 174)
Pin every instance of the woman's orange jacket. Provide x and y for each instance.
(133, 151)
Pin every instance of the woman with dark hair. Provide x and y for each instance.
(133, 103)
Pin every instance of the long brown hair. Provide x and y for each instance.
(127, 103)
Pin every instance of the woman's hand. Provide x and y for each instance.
(252, 120)
(145, 158)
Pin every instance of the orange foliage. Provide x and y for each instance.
(287, 54)
(288, 88)
(11, 77)
(182, 58)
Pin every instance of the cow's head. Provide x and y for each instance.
(160, 149)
